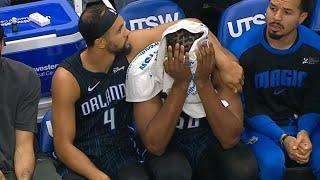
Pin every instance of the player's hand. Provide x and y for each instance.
(290, 145)
(205, 64)
(232, 75)
(177, 64)
(2, 177)
(304, 147)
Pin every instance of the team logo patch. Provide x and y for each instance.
(252, 140)
(93, 87)
(116, 69)
(311, 60)
(278, 92)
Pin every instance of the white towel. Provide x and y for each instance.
(146, 76)
(141, 84)
(192, 106)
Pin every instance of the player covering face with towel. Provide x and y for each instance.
(188, 119)
(90, 114)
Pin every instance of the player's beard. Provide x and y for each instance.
(273, 34)
(125, 50)
(279, 36)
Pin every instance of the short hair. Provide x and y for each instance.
(183, 37)
(306, 6)
(1, 33)
(89, 20)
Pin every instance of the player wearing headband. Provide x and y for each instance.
(91, 118)
(90, 114)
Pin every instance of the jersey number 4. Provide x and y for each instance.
(109, 118)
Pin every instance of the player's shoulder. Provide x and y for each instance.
(309, 37)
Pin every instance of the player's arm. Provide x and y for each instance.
(65, 92)
(306, 125)
(24, 157)
(225, 122)
(156, 121)
(309, 121)
(263, 124)
(310, 117)
(2, 177)
(139, 39)
(257, 119)
(25, 126)
(231, 72)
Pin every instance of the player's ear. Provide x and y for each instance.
(302, 17)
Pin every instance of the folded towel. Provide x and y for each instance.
(192, 106)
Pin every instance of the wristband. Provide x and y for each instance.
(283, 137)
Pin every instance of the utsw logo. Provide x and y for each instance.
(258, 19)
(152, 21)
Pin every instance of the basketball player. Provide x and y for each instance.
(187, 136)
(282, 101)
(90, 114)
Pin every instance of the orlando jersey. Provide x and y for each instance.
(102, 114)
(280, 83)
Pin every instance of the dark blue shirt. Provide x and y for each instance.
(280, 83)
(103, 116)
